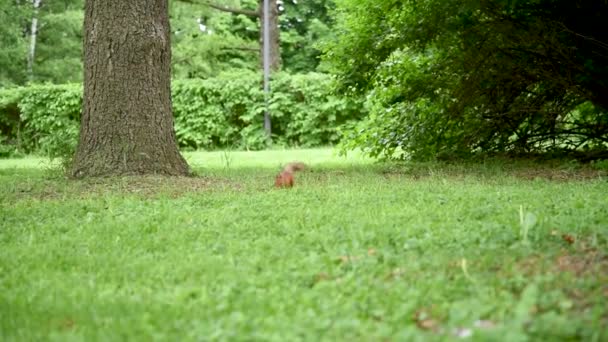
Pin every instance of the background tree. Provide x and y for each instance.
(457, 77)
(127, 123)
(40, 44)
(13, 53)
(207, 42)
(254, 11)
(31, 54)
(233, 34)
(58, 57)
(304, 24)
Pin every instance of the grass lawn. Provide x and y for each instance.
(356, 251)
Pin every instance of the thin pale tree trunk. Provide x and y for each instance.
(33, 37)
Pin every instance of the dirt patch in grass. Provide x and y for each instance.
(590, 266)
(145, 186)
(581, 263)
(570, 268)
(586, 263)
(559, 175)
(496, 169)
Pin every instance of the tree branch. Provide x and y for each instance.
(241, 48)
(248, 13)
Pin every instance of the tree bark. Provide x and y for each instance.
(31, 54)
(232, 10)
(275, 32)
(275, 38)
(127, 122)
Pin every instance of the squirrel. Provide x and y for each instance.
(285, 178)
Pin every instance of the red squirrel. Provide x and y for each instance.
(285, 178)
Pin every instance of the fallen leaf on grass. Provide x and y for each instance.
(468, 332)
(424, 321)
(395, 273)
(568, 238)
(322, 276)
(533, 310)
(428, 324)
(352, 258)
(463, 332)
(344, 259)
(67, 324)
(484, 324)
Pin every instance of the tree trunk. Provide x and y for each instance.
(275, 39)
(127, 123)
(31, 54)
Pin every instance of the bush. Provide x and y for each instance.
(450, 79)
(226, 111)
(41, 118)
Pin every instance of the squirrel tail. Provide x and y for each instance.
(294, 166)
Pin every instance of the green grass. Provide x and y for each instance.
(356, 251)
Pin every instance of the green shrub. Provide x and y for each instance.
(309, 114)
(229, 111)
(451, 79)
(217, 112)
(226, 111)
(10, 125)
(51, 117)
(41, 118)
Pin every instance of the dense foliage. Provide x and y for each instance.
(13, 51)
(231, 41)
(205, 41)
(41, 118)
(217, 97)
(57, 47)
(303, 25)
(456, 77)
(226, 111)
(441, 78)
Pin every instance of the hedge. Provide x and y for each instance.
(222, 112)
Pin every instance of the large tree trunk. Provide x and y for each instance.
(127, 123)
